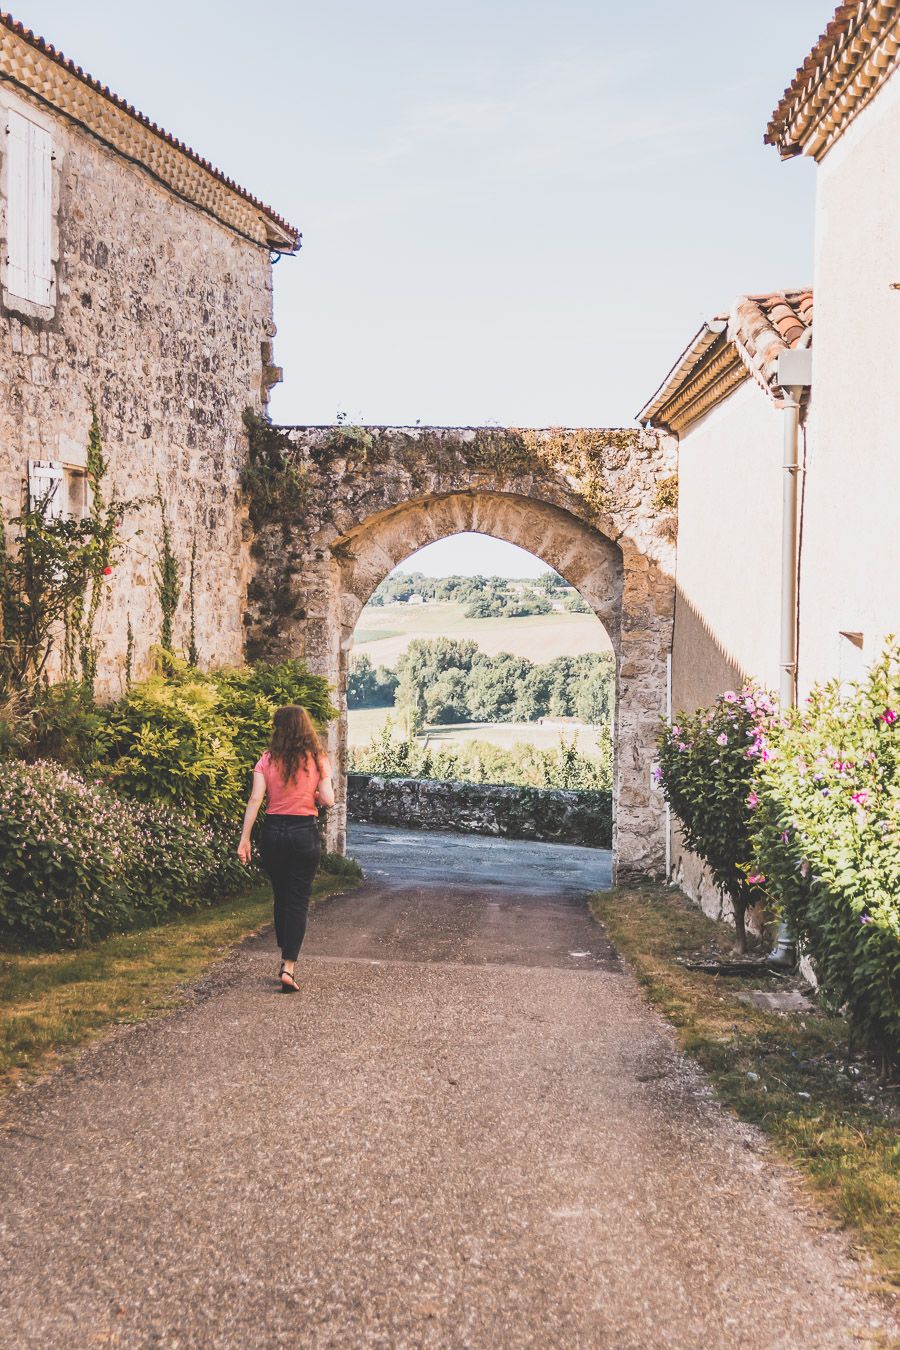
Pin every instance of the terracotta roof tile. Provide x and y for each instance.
(196, 187)
(852, 59)
(728, 350)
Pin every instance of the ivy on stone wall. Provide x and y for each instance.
(275, 479)
(53, 576)
(665, 498)
(166, 572)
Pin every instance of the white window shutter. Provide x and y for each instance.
(17, 154)
(29, 151)
(45, 487)
(40, 271)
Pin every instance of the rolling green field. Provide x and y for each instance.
(385, 631)
(364, 723)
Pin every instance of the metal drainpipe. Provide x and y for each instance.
(794, 375)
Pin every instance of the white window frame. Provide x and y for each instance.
(39, 300)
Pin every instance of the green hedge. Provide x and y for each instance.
(191, 739)
(79, 862)
(142, 819)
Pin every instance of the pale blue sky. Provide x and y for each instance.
(514, 211)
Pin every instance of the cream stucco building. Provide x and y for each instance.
(722, 400)
(843, 110)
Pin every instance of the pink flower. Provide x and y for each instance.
(107, 571)
(722, 739)
(676, 731)
(749, 705)
(889, 717)
(785, 836)
(755, 879)
(730, 696)
(861, 798)
(753, 801)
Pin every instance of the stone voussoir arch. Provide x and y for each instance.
(335, 509)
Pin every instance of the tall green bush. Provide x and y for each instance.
(191, 739)
(825, 833)
(78, 862)
(706, 767)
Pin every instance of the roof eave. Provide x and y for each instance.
(689, 359)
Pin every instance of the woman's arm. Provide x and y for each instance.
(325, 790)
(257, 792)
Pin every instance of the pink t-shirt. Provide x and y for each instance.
(297, 798)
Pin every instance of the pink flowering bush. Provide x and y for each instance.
(707, 766)
(825, 832)
(78, 862)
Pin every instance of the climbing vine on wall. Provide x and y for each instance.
(53, 576)
(166, 572)
(193, 654)
(665, 498)
(275, 480)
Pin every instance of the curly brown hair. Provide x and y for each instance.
(294, 741)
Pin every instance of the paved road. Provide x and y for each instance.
(517, 865)
(467, 1131)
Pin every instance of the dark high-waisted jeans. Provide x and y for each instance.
(290, 849)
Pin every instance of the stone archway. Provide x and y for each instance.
(591, 509)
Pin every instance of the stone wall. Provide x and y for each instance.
(163, 317)
(336, 508)
(482, 808)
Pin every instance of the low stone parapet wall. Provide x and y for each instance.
(482, 808)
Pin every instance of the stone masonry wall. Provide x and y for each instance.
(336, 508)
(482, 808)
(164, 318)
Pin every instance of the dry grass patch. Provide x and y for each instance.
(52, 1003)
(787, 1073)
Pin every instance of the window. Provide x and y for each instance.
(58, 490)
(29, 187)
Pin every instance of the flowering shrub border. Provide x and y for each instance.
(78, 862)
(825, 836)
(706, 768)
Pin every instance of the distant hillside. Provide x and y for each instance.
(385, 631)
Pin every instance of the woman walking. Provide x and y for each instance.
(294, 775)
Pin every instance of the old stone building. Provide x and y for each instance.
(137, 277)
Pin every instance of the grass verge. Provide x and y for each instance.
(785, 1073)
(52, 1003)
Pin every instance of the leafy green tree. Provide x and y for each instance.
(447, 699)
(494, 685)
(368, 687)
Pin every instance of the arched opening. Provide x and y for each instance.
(474, 668)
(618, 586)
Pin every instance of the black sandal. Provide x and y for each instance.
(293, 987)
(280, 971)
